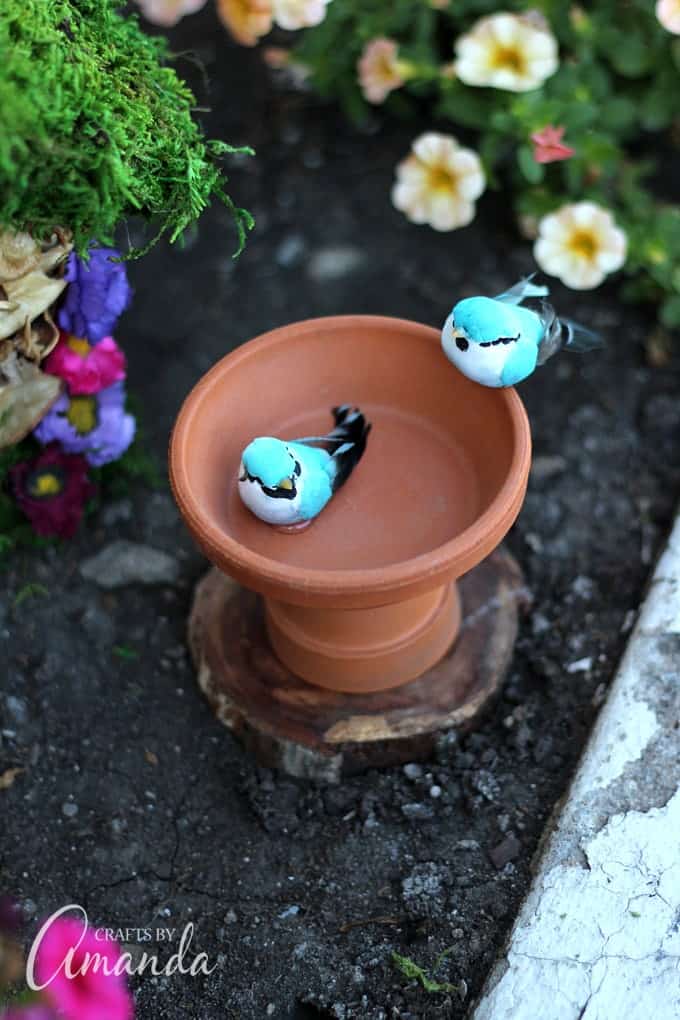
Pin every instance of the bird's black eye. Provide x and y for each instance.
(461, 343)
(298, 469)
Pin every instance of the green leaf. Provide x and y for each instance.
(670, 312)
(125, 652)
(532, 171)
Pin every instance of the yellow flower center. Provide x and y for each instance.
(82, 414)
(46, 484)
(387, 68)
(583, 243)
(656, 254)
(508, 58)
(440, 179)
(81, 347)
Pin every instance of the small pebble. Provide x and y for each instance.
(412, 771)
(505, 852)
(540, 623)
(69, 809)
(547, 467)
(291, 251)
(417, 812)
(583, 587)
(334, 263)
(17, 708)
(581, 665)
(121, 563)
(467, 844)
(289, 912)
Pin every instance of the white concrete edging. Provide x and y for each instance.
(598, 936)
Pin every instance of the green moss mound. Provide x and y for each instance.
(95, 127)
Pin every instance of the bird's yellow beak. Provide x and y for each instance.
(285, 483)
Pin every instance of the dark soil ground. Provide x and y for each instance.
(137, 804)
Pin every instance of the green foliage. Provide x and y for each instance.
(96, 127)
(411, 970)
(618, 80)
(125, 652)
(29, 591)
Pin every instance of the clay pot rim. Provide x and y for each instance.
(449, 560)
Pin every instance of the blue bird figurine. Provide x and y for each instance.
(498, 342)
(290, 482)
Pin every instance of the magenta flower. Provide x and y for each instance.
(97, 294)
(87, 368)
(548, 145)
(75, 969)
(95, 425)
(52, 491)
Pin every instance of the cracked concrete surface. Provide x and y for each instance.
(598, 937)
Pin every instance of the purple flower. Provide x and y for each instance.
(95, 425)
(35, 1012)
(97, 294)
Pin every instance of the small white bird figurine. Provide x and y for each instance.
(498, 342)
(290, 482)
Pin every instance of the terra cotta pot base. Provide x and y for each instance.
(311, 732)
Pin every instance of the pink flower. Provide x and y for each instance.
(379, 69)
(168, 12)
(668, 13)
(87, 368)
(548, 145)
(75, 969)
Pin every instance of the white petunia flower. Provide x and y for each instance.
(507, 51)
(168, 12)
(668, 13)
(580, 244)
(294, 14)
(439, 182)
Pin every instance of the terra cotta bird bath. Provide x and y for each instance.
(364, 599)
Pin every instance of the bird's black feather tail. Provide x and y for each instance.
(347, 442)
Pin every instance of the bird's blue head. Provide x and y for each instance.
(483, 320)
(269, 460)
(478, 336)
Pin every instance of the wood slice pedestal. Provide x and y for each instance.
(313, 733)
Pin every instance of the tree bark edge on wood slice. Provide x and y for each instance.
(313, 733)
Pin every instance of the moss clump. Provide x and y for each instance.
(95, 127)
